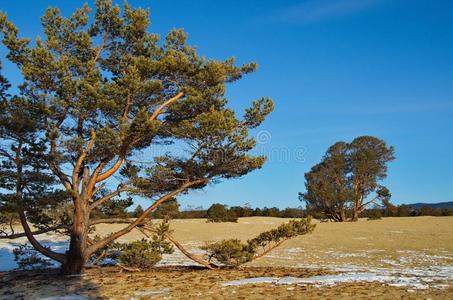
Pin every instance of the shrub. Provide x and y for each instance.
(140, 254)
(230, 252)
(145, 254)
(27, 258)
(219, 213)
(233, 252)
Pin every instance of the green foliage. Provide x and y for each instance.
(116, 208)
(374, 214)
(219, 213)
(327, 185)
(344, 181)
(285, 231)
(99, 89)
(233, 252)
(230, 252)
(27, 258)
(144, 254)
(167, 210)
(138, 211)
(140, 254)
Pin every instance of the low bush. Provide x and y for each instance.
(140, 254)
(233, 252)
(230, 252)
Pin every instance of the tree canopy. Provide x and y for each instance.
(349, 173)
(99, 94)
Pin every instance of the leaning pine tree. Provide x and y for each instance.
(98, 96)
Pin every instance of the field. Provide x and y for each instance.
(392, 258)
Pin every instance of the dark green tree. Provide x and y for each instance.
(27, 188)
(220, 213)
(328, 188)
(167, 210)
(138, 211)
(349, 176)
(369, 157)
(108, 90)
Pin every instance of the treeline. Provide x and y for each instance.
(222, 213)
(407, 211)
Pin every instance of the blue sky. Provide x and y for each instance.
(336, 69)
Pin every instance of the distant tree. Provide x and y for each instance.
(219, 213)
(138, 211)
(247, 210)
(99, 89)
(403, 211)
(390, 210)
(167, 210)
(328, 186)
(368, 157)
(346, 178)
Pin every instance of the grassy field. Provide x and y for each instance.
(389, 259)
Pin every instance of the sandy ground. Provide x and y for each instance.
(393, 258)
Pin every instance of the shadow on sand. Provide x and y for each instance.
(46, 284)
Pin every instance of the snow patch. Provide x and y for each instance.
(152, 292)
(413, 282)
(68, 297)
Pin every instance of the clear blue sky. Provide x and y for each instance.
(336, 69)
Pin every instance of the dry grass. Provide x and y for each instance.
(377, 243)
(398, 245)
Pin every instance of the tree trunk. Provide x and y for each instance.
(355, 214)
(75, 256)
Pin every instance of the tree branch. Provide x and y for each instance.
(181, 248)
(53, 166)
(6, 154)
(270, 248)
(111, 171)
(139, 220)
(107, 197)
(36, 232)
(37, 245)
(76, 171)
(166, 103)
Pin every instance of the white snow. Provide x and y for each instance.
(152, 292)
(414, 282)
(56, 243)
(68, 297)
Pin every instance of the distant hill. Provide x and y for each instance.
(448, 204)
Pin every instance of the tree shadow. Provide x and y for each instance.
(47, 284)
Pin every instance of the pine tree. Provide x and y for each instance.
(347, 177)
(108, 90)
